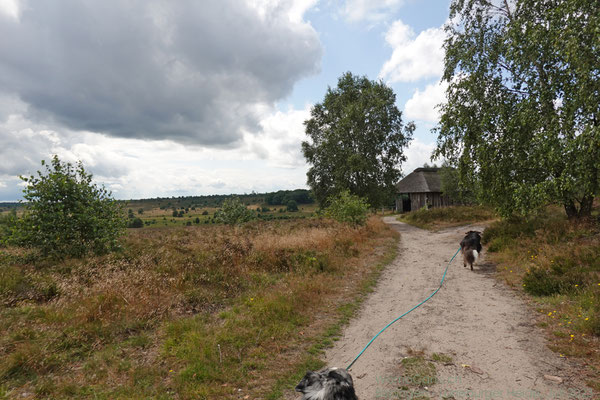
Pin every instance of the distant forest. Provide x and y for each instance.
(281, 197)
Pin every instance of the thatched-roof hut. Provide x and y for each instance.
(420, 188)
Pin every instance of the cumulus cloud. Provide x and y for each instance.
(423, 104)
(417, 154)
(189, 71)
(370, 10)
(280, 139)
(414, 56)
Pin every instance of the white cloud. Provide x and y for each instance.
(422, 105)
(295, 8)
(10, 8)
(280, 139)
(370, 10)
(417, 154)
(414, 56)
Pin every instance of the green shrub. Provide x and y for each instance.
(136, 223)
(541, 282)
(233, 212)
(348, 208)
(560, 278)
(7, 224)
(66, 214)
(292, 206)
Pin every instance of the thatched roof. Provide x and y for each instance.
(421, 180)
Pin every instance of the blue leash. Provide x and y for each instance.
(418, 305)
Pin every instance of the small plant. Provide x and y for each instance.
(348, 208)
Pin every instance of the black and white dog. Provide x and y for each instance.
(470, 247)
(328, 384)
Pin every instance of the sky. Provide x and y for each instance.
(176, 98)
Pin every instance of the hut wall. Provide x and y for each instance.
(433, 200)
(419, 200)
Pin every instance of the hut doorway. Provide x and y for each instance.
(406, 203)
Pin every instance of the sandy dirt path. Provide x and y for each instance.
(497, 352)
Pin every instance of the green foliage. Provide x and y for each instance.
(135, 223)
(348, 208)
(233, 212)
(521, 121)
(451, 186)
(559, 278)
(356, 141)
(7, 223)
(282, 197)
(66, 214)
(292, 206)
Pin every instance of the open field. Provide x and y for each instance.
(201, 312)
(157, 217)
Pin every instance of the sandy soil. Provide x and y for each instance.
(497, 352)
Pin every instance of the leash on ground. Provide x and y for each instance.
(415, 307)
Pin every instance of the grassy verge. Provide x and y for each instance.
(440, 218)
(328, 334)
(201, 312)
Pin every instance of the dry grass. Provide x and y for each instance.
(195, 312)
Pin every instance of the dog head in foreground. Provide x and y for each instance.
(327, 384)
(470, 247)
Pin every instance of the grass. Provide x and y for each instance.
(440, 218)
(197, 312)
(412, 377)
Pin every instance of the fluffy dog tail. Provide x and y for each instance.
(475, 255)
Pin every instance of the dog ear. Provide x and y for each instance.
(340, 377)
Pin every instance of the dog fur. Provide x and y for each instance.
(327, 384)
(470, 248)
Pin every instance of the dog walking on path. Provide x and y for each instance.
(470, 247)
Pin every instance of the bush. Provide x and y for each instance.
(67, 215)
(292, 206)
(233, 212)
(136, 223)
(7, 224)
(348, 208)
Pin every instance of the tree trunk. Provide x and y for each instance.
(570, 209)
(585, 207)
